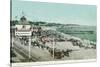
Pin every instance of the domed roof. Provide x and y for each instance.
(23, 21)
(23, 18)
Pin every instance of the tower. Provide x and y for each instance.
(23, 32)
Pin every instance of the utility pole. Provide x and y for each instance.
(53, 49)
(29, 47)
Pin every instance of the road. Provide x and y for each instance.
(36, 54)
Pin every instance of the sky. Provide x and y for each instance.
(54, 12)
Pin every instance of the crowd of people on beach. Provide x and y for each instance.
(40, 38)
